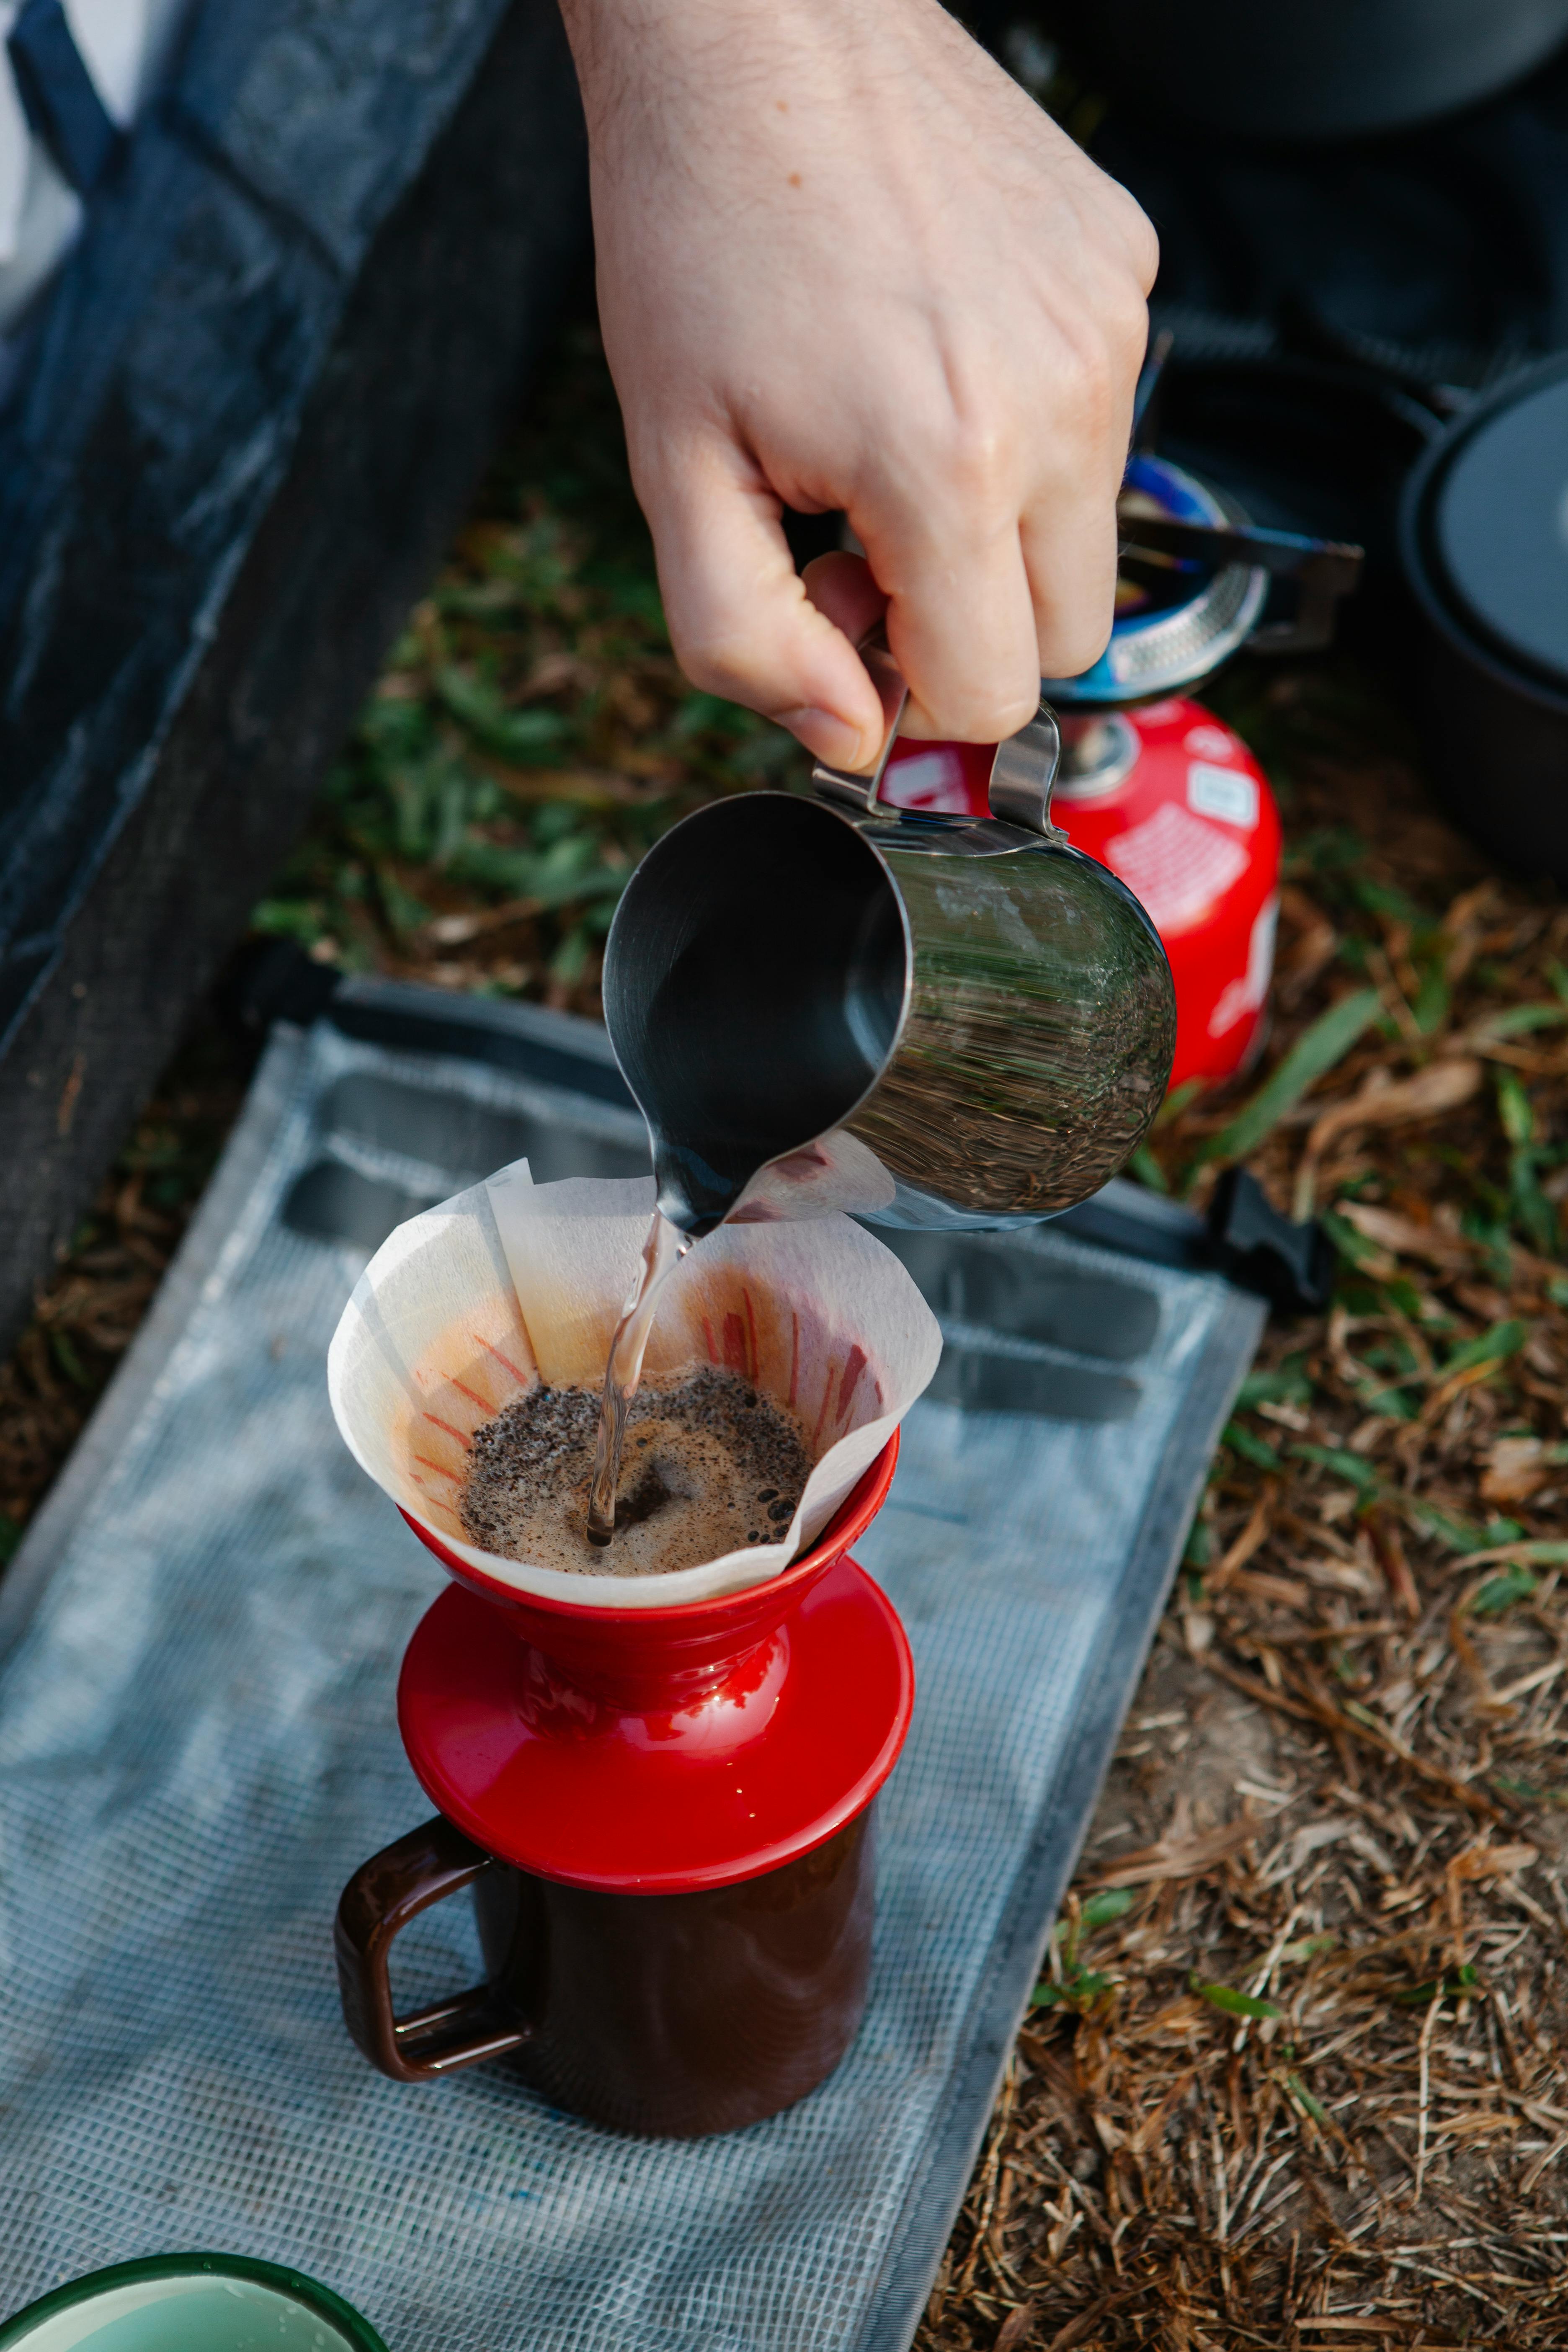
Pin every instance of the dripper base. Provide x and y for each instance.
(578, 1785)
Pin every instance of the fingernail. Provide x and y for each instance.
(827, 737)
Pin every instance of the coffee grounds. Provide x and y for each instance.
(709, 1466)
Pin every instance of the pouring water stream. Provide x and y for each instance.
(662, 1252)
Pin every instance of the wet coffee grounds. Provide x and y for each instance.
(709, 1466)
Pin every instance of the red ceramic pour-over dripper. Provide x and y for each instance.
(661, 1750)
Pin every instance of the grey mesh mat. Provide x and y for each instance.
(197, 1745)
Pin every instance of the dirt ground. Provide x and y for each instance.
(1294, 2074)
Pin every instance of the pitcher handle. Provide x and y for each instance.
(859, 787)
(384, 1895)
(1022, 773)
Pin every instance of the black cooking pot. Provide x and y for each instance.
(1334, 70)
(1483, 542)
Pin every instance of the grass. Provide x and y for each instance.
(529, 738)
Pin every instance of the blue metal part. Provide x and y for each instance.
(1164, 650)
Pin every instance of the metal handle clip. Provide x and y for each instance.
(1022, 773)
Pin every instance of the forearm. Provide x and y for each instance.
(844, 262)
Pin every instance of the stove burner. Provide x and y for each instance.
(1166, 638)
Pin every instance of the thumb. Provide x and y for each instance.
(741, 620)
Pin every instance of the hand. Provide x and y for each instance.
(844, 262)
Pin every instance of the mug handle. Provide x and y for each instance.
(384, 1895)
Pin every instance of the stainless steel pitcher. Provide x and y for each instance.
(975, 1003)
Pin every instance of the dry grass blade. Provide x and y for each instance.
(1381, 1101)
(1175, 1858)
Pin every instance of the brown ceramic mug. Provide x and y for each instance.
(671, 2015)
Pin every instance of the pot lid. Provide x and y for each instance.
(1499, 524)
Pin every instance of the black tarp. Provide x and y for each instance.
(237, 433)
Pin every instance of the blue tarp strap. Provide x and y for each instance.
(60, 96)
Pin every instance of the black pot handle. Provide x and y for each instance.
(378, 1901)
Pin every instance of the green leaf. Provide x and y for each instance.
(1501, 1592)
(1331, 849)
(1233, 2003)
(1349, 1466)
(1520, 1020)
(289, 919)
(1402, 1294)
(405, 912)
(1287, 1384)
(1077, 1989)
(1308, 1948)
(1304, 2099)
(1459, 1535)
(556, 879)
(1533, 1213)
(1199, 1548)
(1453, 1987)
(1503, 1340)
(517, 735)
(1390, 1403)
(1176, 1102)
(1111, 1903)
(10, 1537)
(1251, 1449)
(566, 965)
(1315, 1053)
(63, 1350)
(1433, 1003)
(1351, 1244)
(1515, 1109)
(1394, 1355)
(1148, 1171)
(700, 712)
(1381, 899)
(1525, 1793)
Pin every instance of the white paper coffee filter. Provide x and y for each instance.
(466, 1307)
